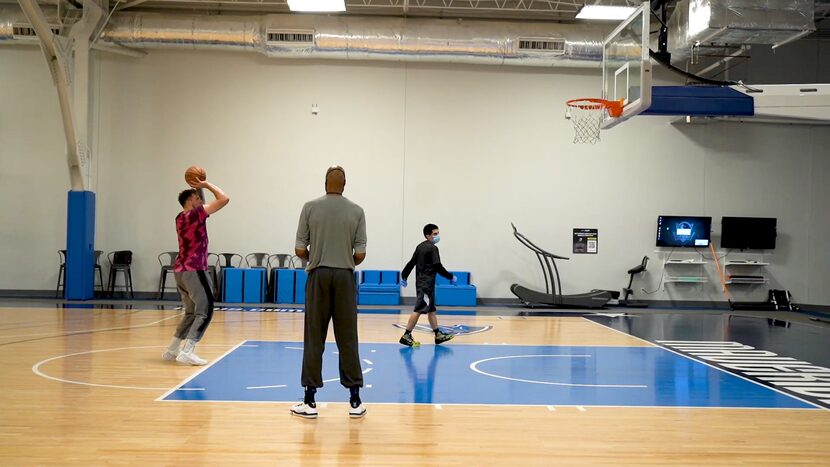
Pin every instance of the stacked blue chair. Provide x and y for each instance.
(232, 284)
(283, 285)
(461, 294)
(300, 278)
(243, 285)
(254, 284)
(379, 288)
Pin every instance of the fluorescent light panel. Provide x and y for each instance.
(605, 12)
(317, 5)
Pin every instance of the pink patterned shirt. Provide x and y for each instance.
(193, 240)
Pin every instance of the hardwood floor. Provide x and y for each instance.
(79, 387)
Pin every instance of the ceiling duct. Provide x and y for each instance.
(367, 38)
(15, 27)
(730, 23)
(357, 38)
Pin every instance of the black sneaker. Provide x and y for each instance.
(407, 340)
(441, 337)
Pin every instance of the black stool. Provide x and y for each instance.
(120, 261)
(60, 289)
(166, 261)
(97, 268)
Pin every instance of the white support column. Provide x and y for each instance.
(82, 92)
(58, 60)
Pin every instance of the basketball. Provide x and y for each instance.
(194, 175)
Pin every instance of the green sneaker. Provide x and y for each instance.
(407, 340)
(441, 337)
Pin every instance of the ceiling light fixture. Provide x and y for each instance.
(317, 5)
(605, 12)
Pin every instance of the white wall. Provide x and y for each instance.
(469, 148)
(34, 178)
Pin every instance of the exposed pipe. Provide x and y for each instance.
(363, 38)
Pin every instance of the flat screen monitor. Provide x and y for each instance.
(683, 231)
(749, 233)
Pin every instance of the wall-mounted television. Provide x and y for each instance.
(683, 231)
(749, 233)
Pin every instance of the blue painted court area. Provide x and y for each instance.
(264, 371)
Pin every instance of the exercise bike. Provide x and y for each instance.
(627, 291)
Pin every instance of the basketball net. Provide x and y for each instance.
(587, 116)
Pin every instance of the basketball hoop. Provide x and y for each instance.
(587, 115)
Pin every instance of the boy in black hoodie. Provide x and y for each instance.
(427, 262)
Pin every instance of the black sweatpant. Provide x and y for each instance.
(330, 295)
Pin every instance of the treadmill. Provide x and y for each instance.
(552, 296)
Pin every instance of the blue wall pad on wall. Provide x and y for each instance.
(80, 245)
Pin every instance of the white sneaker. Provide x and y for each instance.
(305, 410)
(190, 358)
(357, 412)
(170, 355)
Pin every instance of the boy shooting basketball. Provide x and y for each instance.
(190, 270)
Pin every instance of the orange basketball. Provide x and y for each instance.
(194, 175)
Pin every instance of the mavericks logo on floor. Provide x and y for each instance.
(457, 329)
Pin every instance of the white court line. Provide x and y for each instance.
(717, 368)
(474, 365)
(368, 362)
(581, 409)
(294, 348)
(71, 333)
(36, 369)
(439, 407)
(204, 368)
(410, 404)
(283, 385)
(552, 408)
(333, 380)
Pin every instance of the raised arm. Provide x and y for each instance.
(221, 200)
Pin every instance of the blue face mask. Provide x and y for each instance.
(436, 239)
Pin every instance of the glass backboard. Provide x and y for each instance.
(626, 66)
